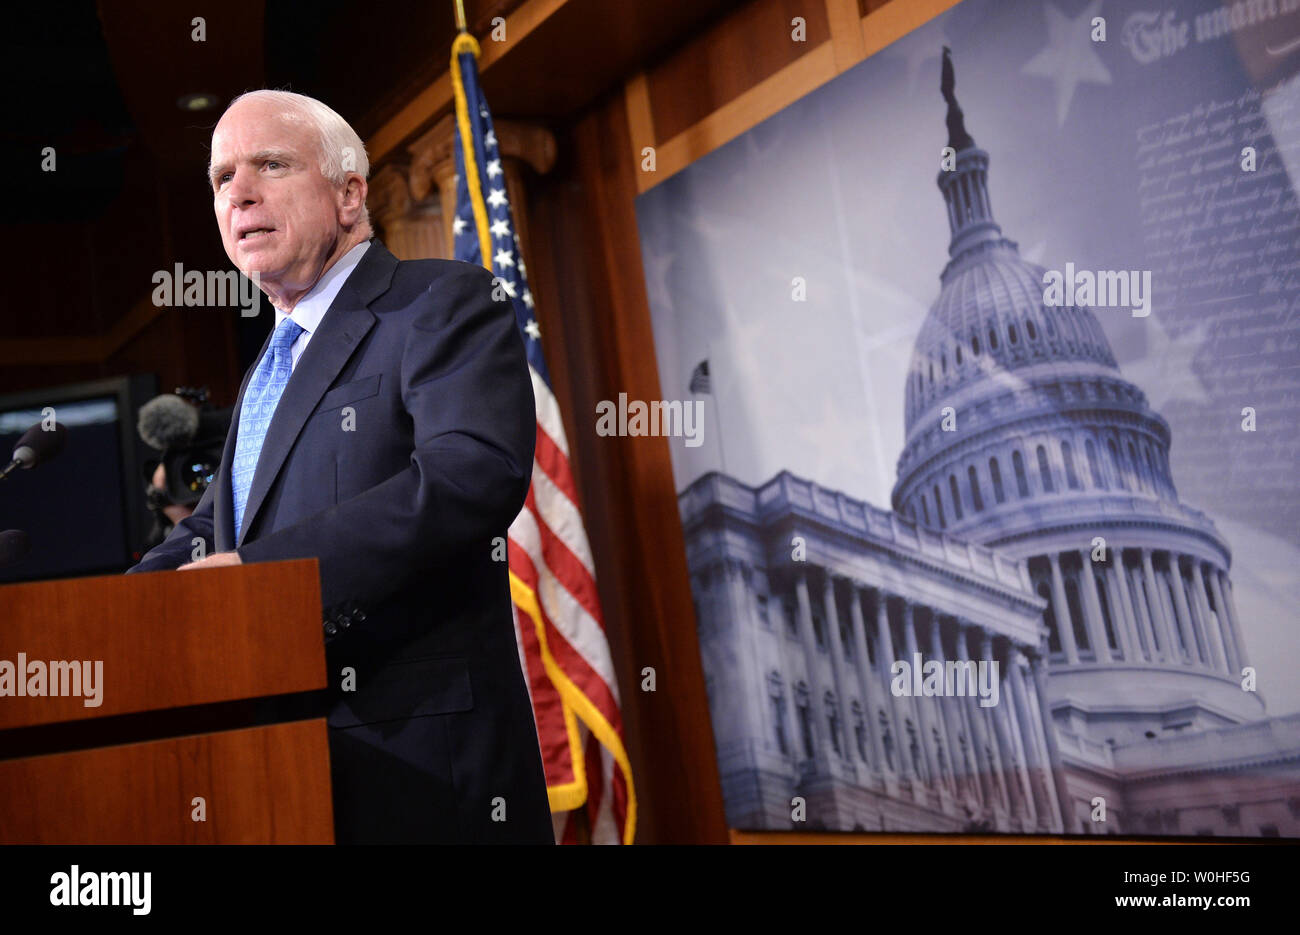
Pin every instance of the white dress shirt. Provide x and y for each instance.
(312, 307)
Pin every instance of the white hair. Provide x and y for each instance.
(341, 151)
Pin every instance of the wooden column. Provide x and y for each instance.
(411, 228)
(433, 169)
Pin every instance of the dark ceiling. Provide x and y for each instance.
(100, 83)
(71, 102)
(103, 81)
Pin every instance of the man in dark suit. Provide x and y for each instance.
(386, 430)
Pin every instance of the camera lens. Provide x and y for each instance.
(195, 476)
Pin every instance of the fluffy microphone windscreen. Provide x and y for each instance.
(167, 421)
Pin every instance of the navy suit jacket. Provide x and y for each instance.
(401, 448)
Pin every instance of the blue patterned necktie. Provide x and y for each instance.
(260, 399)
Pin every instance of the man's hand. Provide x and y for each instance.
(214, 561)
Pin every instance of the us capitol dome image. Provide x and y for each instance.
(1035, 523)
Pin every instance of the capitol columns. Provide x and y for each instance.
(1200, 617)
(835, 644)
(1213, 628)
(433, 167)
(1004, 768)
(1038, 670)
(1124, 597)
(411, 228)
(738, 576)
(950, 725)
(870, 687)
(812, 663)
(1017, 783)
(1038, 783)
(1121, 614)
(923, 710)
(1181, 610)
(1232, 661)
(975, 730)
(1167, 638)
(1243, 658)
(1061, 611)
(1092, 608)
(884, 655)
(1143, 617)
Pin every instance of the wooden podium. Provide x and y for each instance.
(209, 727)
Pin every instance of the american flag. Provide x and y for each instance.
(558, 625)
(700, 383)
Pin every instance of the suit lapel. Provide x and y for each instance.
(342, 328)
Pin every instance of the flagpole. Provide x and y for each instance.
(460, 16)
(717, 412)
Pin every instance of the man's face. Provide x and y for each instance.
(279, 217)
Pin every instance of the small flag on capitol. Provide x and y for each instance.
(700, 379)
(558, 623)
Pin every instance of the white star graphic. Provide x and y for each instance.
(508, 285)
(500, 228)
(820, 441)
(493, 168)
(490, 138)
(1165, 372)
(748, 342)
(528, 298)
(497, 197)
(504, 258)
(658, 289)
(531, 328)
(1069, 59)
(457, 225)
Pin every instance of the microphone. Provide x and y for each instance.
(167, 421)
(13, 546)
(35, 447)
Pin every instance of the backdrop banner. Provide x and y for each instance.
(991, 351)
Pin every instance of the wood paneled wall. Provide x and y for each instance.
(586, 274)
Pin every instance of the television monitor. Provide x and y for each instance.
(84, 511)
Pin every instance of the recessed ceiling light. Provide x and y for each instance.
(193, 102)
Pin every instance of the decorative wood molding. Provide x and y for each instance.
(530, 143)
(411, 228)
(896, 19)
(773, 94)
(430, 156)
(846, 33)
(806, 74)
(437, 97)
(433, 166)
(640, 116)
(390, 194)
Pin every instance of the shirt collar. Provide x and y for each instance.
(312, 307)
